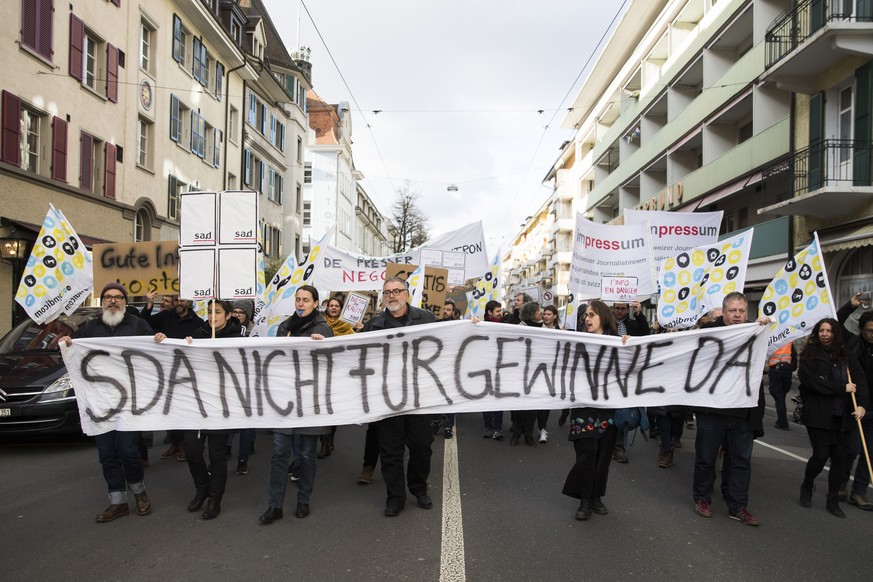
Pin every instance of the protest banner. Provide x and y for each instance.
(676, 232)
(621, 289)
(605, 250)
(133, 383)
(340, 270)
(58, 275)
(141, 267)
(468, 240)
(695, 282)
(218, 245)
(433, 295)
(798, 297)
(354, 308)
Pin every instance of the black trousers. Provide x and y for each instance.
(523, 421)
(397, 433)
(371, 445)
(587, 479)
(213, 478)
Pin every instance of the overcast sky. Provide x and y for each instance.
(459, 84)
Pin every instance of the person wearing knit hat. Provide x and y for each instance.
(242, 310)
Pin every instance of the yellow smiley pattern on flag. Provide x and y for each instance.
(58, 275)
(694, 282)
(487, 289)
(797, 298)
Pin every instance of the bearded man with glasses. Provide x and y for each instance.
(118, 450)
(406, 430)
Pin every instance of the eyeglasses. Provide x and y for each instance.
(589, 315)
(113, 298)
(392, 292)
(238, 312)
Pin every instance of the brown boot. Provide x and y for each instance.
(170, 452)
(180, 454)
(143, 505)
(366, 475)
(112, 512)
(665, 459)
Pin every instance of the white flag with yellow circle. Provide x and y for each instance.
(696, 281)
(798, 297)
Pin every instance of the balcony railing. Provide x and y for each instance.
(829, 163)
(803, 20)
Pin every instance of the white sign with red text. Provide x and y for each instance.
(606, 250)
(676, 232)
(622, 289)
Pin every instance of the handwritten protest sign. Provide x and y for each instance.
(623, 289)
(433, 296)
(133, 383)
(141, 267)
(354, 308)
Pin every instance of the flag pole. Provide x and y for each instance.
(860, 428)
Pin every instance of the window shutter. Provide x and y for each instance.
(816, 146)
(175, 118)
(177, 39)
(861, 159)
(117, 2)
(247, 165)
(109, 178)
(85, 161)
(195, 59)
(77, 46)
(45, 14)
(11, 142)
(59, 149)
(112, 73)
(30, 23)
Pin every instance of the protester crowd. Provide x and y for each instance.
(834, 368)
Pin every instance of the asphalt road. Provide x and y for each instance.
(504, 518)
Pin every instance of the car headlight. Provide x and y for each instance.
(60, 389)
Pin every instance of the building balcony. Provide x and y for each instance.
(563, 225)
(813, 36)
(828, 180)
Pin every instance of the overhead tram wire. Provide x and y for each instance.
(555, 114)
(355, 101)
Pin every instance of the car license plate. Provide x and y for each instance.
(5, 412)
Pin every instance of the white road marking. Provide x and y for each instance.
(784, 452)
(452, 564)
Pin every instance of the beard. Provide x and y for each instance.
(112, 318)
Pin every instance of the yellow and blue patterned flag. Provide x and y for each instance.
(59, 274)
(416, 286)
(696, 281)
(798, 297)
(487, 289)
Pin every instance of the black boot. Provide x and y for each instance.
(584, 511)
(213, 508)
(833, 506)
(199, 497)
(806, 494)
(325, 448)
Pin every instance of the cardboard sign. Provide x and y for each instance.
(355, 308)
(141, 267)
(435, 284)
(621, 289)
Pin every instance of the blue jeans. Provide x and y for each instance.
(493, 420)
(712, 431)
(119, 456)
(283, 448)
(780, 386)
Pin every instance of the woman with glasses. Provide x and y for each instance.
(307, 321)
(593, 432)
(829, 374)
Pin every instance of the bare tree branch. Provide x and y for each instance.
(410, 221)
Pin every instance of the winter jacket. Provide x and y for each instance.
(384, 320)
(821, 385)
(130, 325)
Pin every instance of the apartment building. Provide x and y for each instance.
(675, 116)
(112, 108)
(370, 228)
(821, 54)
(330, 189)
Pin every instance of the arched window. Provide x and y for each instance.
(142, 226)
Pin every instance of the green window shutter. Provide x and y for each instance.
(861, 158)
(815, 176)
(817, 10)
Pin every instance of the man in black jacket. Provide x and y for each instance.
(635, 323)
(118, 450)
(863, 349)
(406, 430)
(176, 323)
(736, 429)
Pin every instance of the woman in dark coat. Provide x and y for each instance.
(593, 433)
(829, 374)
(209, 482)
(307, 321)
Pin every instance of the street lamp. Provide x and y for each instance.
(14, 250)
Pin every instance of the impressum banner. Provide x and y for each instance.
(133, 383)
